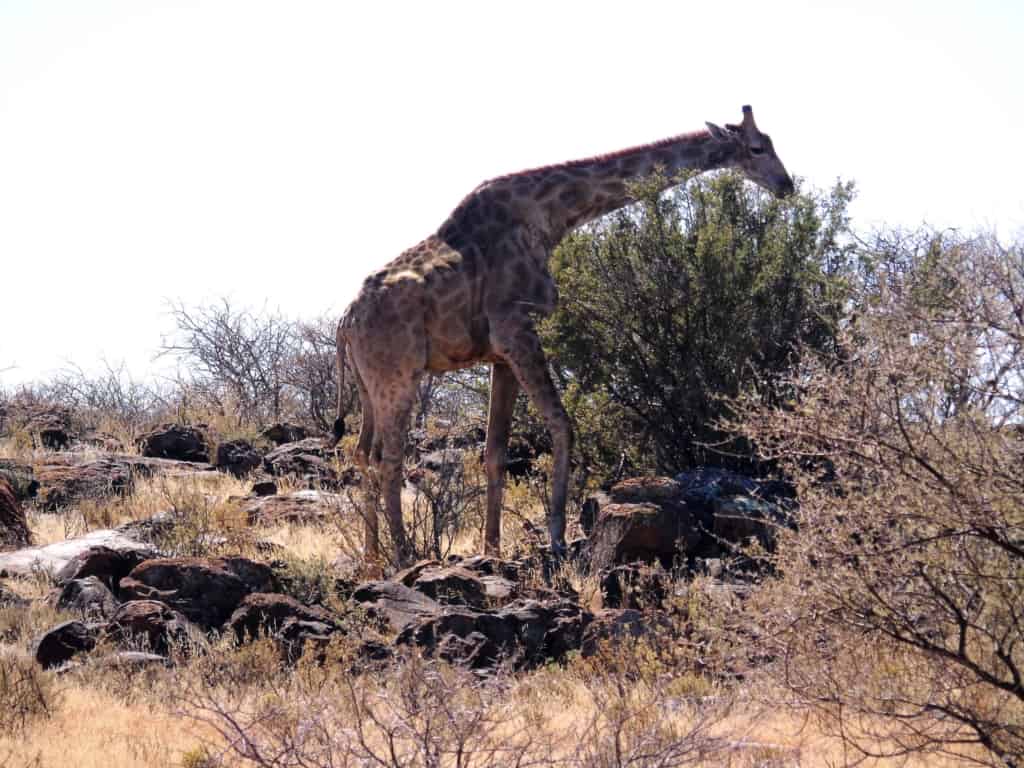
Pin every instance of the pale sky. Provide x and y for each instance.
(278, 152)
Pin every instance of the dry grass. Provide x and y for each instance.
(93, 728)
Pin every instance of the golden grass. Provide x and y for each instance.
(96, 729)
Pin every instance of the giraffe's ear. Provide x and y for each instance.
(717, 132)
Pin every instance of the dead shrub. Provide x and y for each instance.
(897, 618)
(27, 693)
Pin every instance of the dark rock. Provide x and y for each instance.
(546, 631)
(262, 613)
(20, 477)
(153, 625)
(89, 597)
(10, 599)
(524, 634)
(307, 459)
(394, 603)
(644, 531)
(463, 636)
(634, 586)
(701, 486)
(57, 645)
(408, 576)
(451, 586)
(55, 437)
(487, 565)
(175, 441)
(282, 433)
(109, 565)
(63, 485)
(238, 458)
(264, 488)
(14, 532)
(296, 636)
(151, 466)
(206, 590)
(742, 519)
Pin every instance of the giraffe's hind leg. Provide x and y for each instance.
(504, 389)
(392, 424)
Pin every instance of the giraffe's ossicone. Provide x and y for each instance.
(470, 293)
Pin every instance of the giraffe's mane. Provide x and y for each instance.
(654, 145)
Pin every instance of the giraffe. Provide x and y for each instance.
(470, 293)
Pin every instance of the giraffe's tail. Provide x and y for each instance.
(339, 421)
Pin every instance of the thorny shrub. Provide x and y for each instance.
(26, 692)
(898, 618)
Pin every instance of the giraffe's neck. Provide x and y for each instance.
(565, 196)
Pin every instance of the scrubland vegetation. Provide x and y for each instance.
(876, 378)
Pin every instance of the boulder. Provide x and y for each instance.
(282, 433)
(65, 484)
(175, 441)
(743, 519)
(14, 530)
(546, 630)
(153, 625)
(646, 519)
(394, 604)
(647, 532)
(451, 586)
(107, 564)
(634, 586)
(58, 644)
(89, 597)
(296, 636)
(308, 506)
(263, 488)
(53, 428)
(54, 557)
(20, 477)
(238, 458)
(9, 599)
(263, 613)
(151, 466)
(463, 636)
(205, 590)
(306, 459)
(524, 634)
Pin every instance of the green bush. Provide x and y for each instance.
(669, 305)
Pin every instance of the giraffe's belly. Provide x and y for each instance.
(457, 342)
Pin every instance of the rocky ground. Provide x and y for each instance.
(125, 596)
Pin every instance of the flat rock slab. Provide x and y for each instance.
(53, 557)
(306, 506)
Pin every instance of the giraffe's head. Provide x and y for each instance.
(754, 154)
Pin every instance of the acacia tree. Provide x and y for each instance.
(898, 617)
(256, 366)
(684, 298)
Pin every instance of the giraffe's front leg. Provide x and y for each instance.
(517, 343)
